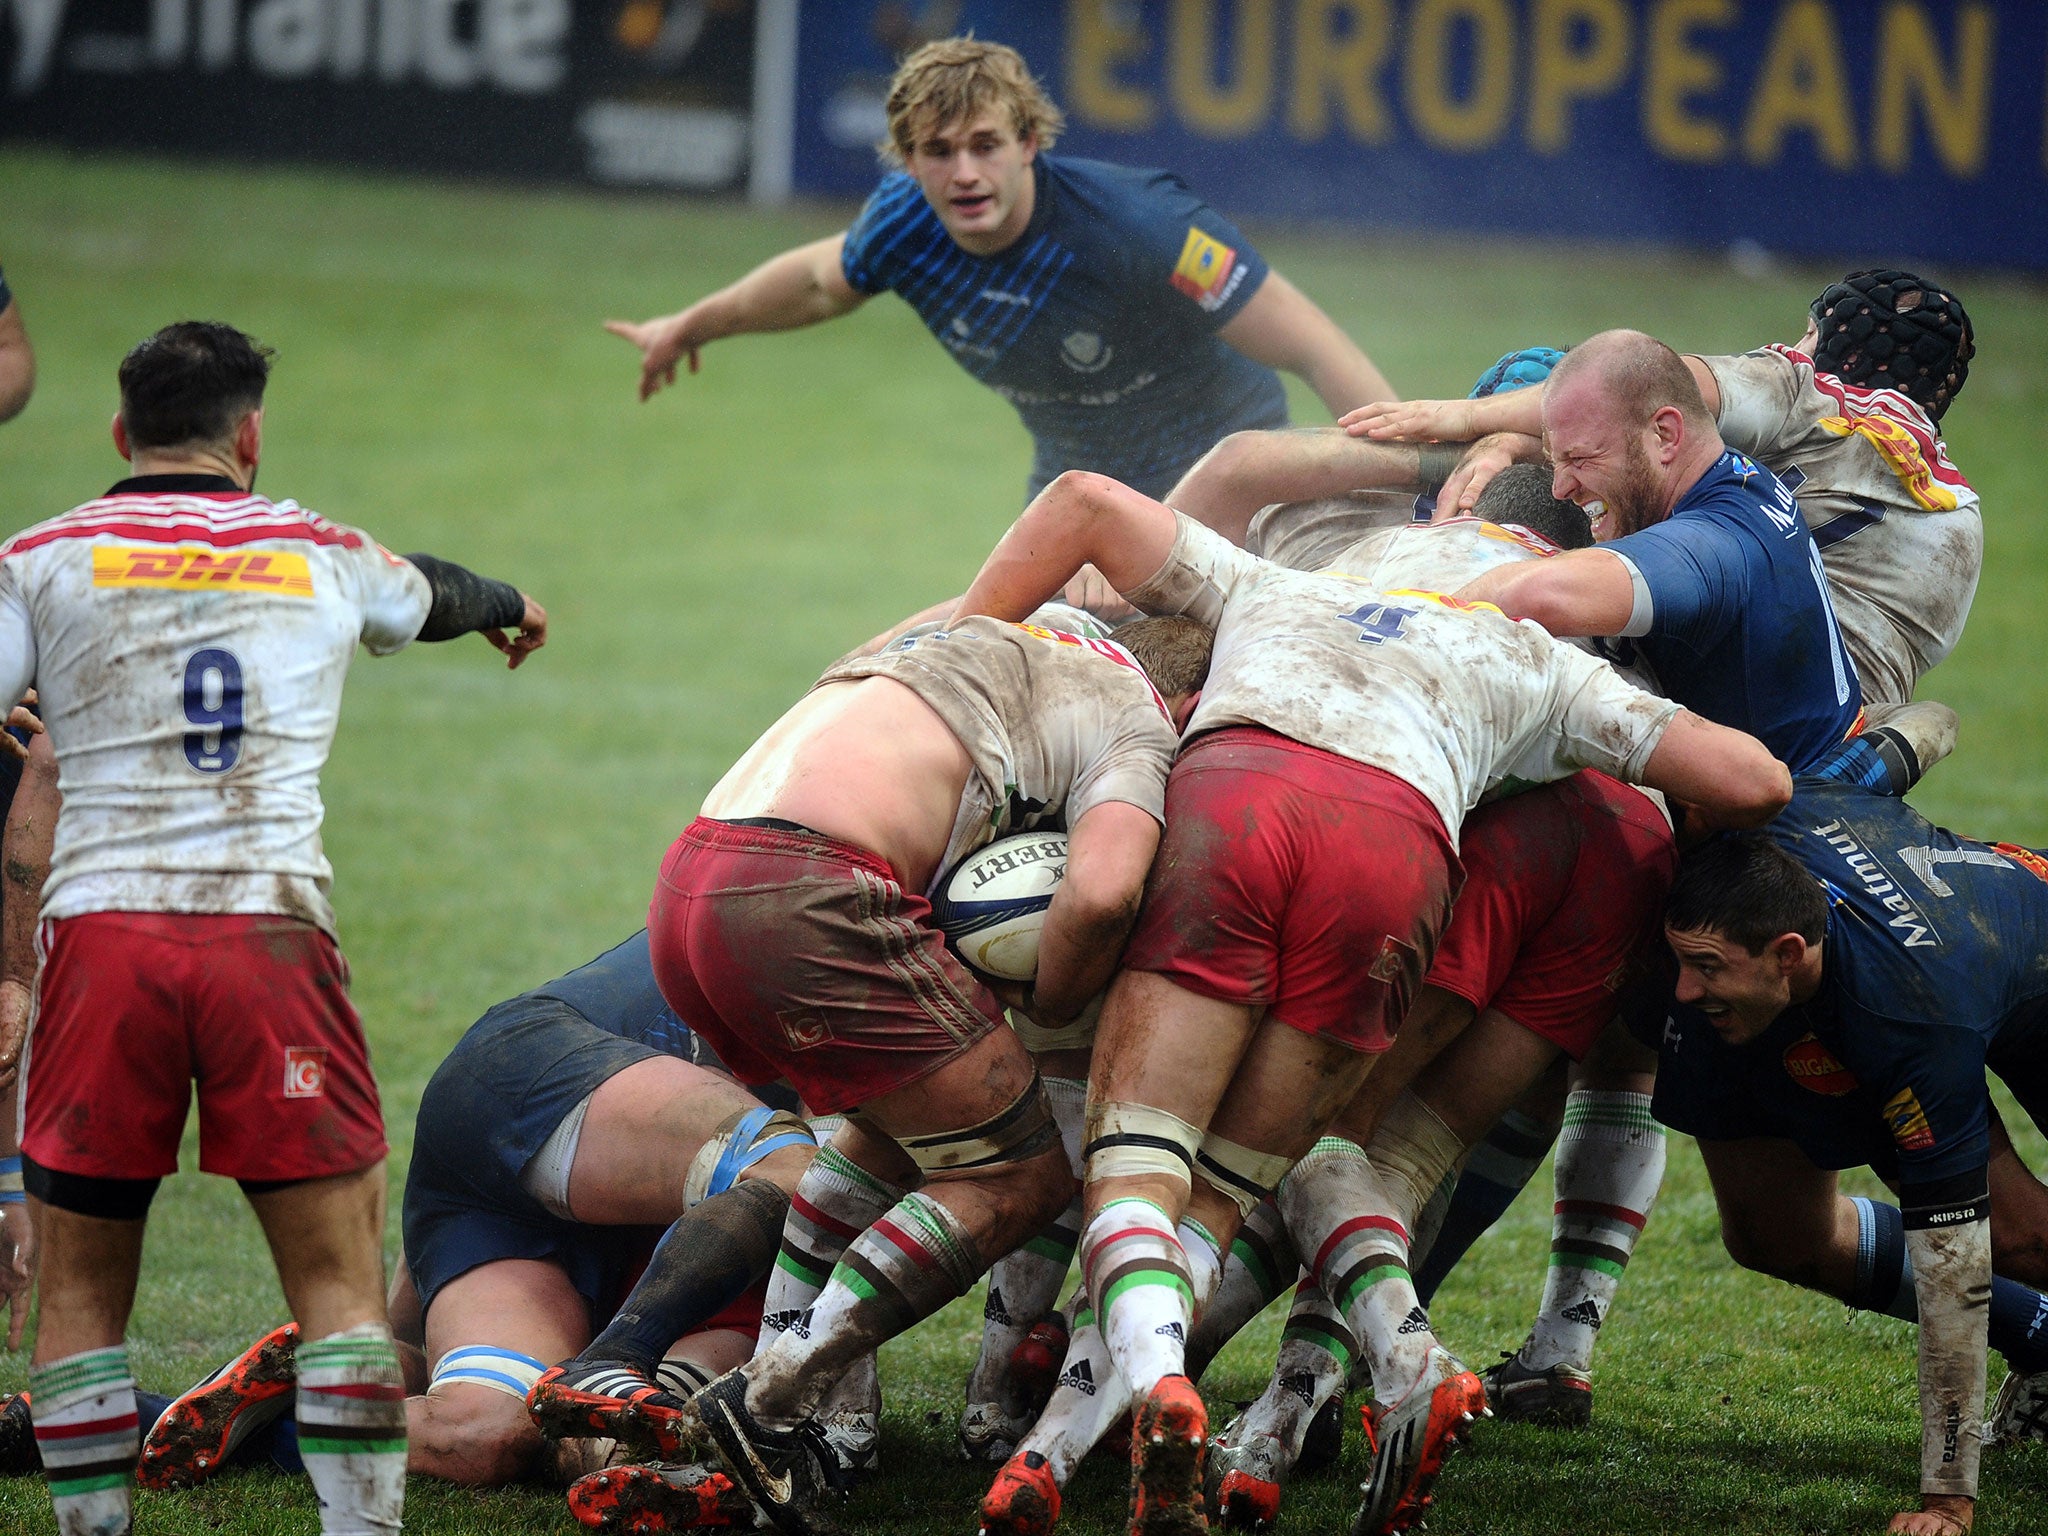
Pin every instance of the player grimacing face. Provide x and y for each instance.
(1740, 993)
(1601, 463)
(977, 176)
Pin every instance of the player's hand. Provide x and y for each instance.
(1483, 460)
(663, 344)
(20, 718)
(1412, 421)
(533, 634)
(15, 997)
(1941, 1514)
(1090, 589)
(17, 1267)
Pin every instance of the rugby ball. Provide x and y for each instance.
(992, 905)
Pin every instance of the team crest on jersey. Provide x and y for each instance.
(1393, 957)
(305, 1071)
(1813, 1067)
(1908, 1121)
(1207, 271)
(1086, 352)
(193, 568)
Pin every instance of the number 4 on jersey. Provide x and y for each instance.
(1379, 622)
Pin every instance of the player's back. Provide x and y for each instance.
(1054, 723)
(189, 646)
(1450, 698)
(1898, 527)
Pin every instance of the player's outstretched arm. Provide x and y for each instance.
(1228, 485)
(799, 287)
(1948, 1240)
(463, 603)
(1583, 592)
(1109, 852)
(1284, 328)
(1726, 776)
(1080, 519)
(1448, 421)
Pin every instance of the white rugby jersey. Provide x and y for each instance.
(189, 647)
(1054, 723)
(1452, 698)
(1900, 530)
(1308, 535)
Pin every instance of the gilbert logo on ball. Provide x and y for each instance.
(992, 906)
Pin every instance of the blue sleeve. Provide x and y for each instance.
(1699, 574)
(1187, 258)
(1935, 1104)
(873, 257)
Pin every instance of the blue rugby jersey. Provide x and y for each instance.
(1098, 324)
(1741, 628)
(1936, 966)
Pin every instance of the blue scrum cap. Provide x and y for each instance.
(1518, 370)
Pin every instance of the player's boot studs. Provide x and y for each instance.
(609, 1400)
(196, 1434)
(1024, 1500)
(1169, 1444)
(649, 1499)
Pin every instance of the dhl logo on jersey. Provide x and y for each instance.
(1908, 1121)
(1813, 1067)
(189, 567)
(1902, 454)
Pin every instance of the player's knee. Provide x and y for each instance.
(2020, 1252)
(475, 1438)
(1754, 1245)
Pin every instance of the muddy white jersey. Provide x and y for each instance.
(189, 647)
(1055, 723)
(1455, 699)
(1309, 535)
(1899, 529)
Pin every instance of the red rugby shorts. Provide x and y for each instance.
(800, 956)
(1297, 880)
(137, 1005)
(1563, 901)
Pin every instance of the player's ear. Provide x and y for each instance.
(1788, 952)
(249, 438)
(1669, 425)
(121, 437)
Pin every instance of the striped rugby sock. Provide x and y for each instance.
(835, 1201)
(1138, 1279)
(1314, 1362)
(1091, 1396)
(1262, 1264)
(83, 1408)
(1340, 1212)
(1610, 1164)
(351, 1414)
(915, 1258)
(1022, 1288)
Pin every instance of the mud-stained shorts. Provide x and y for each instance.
(137, 1005)
(799, 956)
(1298, 880)
(1563, 899)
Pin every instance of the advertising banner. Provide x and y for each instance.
(1843, 128)
(624, 92)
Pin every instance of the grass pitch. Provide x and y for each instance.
(442, 380)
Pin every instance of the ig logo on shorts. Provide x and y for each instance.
(305, 1071)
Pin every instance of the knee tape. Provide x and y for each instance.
(1125, 1140)
(1242, 1176)
(1021, 1132)
(485, 1365)
(741, 1141)
(1411, 1152)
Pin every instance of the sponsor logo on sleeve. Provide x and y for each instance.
(1908, 1121)
(1208, 270)
(1813, 1067)
(305, 1071)
(192, 568)
(2026, 858)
